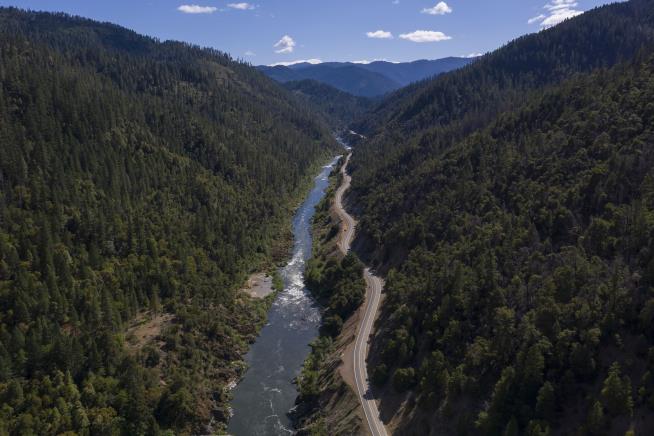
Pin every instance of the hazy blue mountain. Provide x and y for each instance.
(409, 72)
(350, 78)
(280, 73)
(368, 80)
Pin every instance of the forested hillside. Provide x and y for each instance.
(528, 280)
(139, 181)
(337, 107)
(430, 114)
(512, 205)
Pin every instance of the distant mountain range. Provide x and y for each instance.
(368, 80)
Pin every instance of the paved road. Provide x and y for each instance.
(347, 230)
(374, 288)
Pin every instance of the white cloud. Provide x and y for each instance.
(250, 53)
(241, 6)
(535, 19)
(299, 61)
(396, 2)
(196, 9)
(366, 61)
(285, 45)
(441, 8)
(557, 11)
(473, 55)
(425, 36)
(380, 34)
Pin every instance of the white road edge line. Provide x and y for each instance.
(374, 285)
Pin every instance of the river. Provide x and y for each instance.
(267, 393)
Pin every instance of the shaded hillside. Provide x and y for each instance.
(431, 113)
(339, 108)
(525, 298)
(139, 180)
(420, 122)
(511, 202)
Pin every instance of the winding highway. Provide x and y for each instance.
(374, 287)
(347, 222)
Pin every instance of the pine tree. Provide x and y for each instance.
(546, 402)
(616, 392)
(512, 428)
(595, 420)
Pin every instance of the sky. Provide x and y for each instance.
(265, 32)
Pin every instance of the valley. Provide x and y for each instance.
(191, 244)
(266, 392)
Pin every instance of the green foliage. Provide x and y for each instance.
(339, 284)
(546, 402)
(596, 421)
(176, 407)
(404, 379)
(512, 428)
(616, 392)
(337, 107)
(424, 118)
(308, 380)
(135, 176)
(380, 374)
(535, 428)
(277, 282)
(511, 202)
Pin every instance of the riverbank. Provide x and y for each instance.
(262, 284)
(327, 403)
(266, 392)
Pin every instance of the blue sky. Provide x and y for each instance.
(273, 31)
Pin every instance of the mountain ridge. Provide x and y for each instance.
(365, 79)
